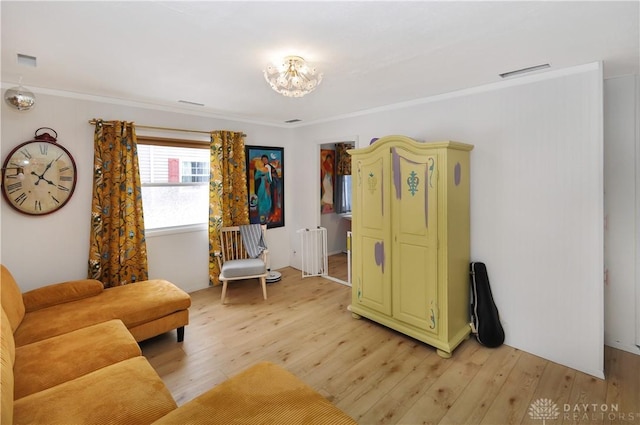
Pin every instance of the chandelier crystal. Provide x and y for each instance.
(293, 78)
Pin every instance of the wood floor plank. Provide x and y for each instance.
(368, 382)
(512, 401)
(555, 385)
(374, 374)
(396, 403)
(431, 407)
(586, 390)
(622, 405)
(474, 402)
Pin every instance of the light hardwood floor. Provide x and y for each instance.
(374, 374)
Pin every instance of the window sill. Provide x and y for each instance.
(164, 231)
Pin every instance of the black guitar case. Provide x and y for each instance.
(485, 319)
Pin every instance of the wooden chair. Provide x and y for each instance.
(235, 263)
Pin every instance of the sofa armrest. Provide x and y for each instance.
(60, 293)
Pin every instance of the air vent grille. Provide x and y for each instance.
(524, 70)
(186, 102)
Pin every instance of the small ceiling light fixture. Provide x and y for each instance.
(293, 78)
(20, 98)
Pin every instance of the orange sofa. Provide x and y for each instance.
(88, 368)
(147, 308)
(69, 351)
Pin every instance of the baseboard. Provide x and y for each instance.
(340, 281)
(633, 349)
(193, 287)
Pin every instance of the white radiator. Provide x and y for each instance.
(314, 252)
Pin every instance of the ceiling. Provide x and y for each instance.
(372, 53)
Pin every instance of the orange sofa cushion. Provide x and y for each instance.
(61, 293)
(128, 392)
(7, 358)
(11, 298)
(263, 394)
(134, 304)
(52, 361)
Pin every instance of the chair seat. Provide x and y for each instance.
(243, 268)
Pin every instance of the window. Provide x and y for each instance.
(195, 172)
(175, 182)
(343, 204)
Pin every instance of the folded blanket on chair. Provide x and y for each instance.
(253, 239)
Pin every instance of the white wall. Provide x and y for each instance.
(620, 191)
(537, 199)
(52, 248)
(537, 178)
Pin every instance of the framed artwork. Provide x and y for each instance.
(327, 180)
(265, 181)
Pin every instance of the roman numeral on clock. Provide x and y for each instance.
(26, 153)
(20, 199)
(61, 187)
(14, 187)
(44, 148)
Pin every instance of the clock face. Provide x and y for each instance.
(38, 177)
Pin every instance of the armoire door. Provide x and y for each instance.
(371, 229)
(414, 211)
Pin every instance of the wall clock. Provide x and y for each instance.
(39, 176)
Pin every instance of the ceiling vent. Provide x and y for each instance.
(186, 102)
(524, 70)
(27, 60)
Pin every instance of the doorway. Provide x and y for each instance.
(334, 203)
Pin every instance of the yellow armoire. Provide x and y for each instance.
(410, 238)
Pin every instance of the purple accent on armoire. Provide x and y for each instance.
(397, 178)
(432, 164)
(379, 254)
(373, 140)
(457, 174)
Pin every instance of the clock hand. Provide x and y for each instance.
(39, 178)
(47, 168)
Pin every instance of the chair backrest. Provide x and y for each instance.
(231, 244)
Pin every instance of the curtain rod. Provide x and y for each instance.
(150, 127)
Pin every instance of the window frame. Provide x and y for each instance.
(178, 143)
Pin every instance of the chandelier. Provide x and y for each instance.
(293, 78)
(20, 98)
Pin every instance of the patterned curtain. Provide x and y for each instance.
(117, 250)
(228, 203)
(343, 178)
(343, 159)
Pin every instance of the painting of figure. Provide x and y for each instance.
(327, 180)
(265, 178)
